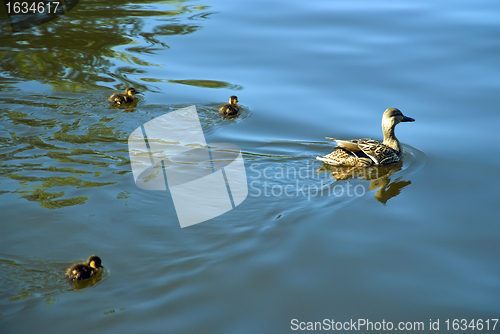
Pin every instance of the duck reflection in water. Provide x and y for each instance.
(380, 177)
(86, 283)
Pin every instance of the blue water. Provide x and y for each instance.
(419, 244)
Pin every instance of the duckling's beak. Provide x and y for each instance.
(407, 119)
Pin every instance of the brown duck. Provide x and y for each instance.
(367, 152)
(123, 98)
(84, 270)
(231, 108)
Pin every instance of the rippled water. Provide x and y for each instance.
(412, 242)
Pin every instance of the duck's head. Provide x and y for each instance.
(393, 116)
(131, 91)
(233, 99)
(94, 261)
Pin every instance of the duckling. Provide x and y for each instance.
(123, 98)
(367, 152)
(231, 108)
(84, 270)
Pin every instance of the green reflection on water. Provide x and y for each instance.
(19, 117)
(79, 50)
(35, 145)
(51, 143)
(207, 84)
(49, 200)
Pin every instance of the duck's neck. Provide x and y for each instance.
(390, 139)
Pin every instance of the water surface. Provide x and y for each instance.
(417, 241)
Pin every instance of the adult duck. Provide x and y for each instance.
(368, 152)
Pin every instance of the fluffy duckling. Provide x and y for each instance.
(84, 270)
(367, 152)
(231, 108)
(123, 98)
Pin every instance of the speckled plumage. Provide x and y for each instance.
(84, 270)
(367, 152)
(231, 108)
(123, 98)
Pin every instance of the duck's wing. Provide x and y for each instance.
(228, 109)
(116, 98)
(350, 145)
(120, 98)
(222, 110)
(340, 157)
(77, 272)
(378, 152)
(345, 158)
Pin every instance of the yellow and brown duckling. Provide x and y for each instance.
(231, 108)
(84, 270)
(368, 152)
(123, 98)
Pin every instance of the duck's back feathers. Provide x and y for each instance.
(120, 98)
(343, 157)
(123, 98)
(229, 109)
(80, 271)
(378, 152)
(360, 153)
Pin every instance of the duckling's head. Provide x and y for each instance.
(393, 116)
(94, 261)
(131, 91)
(233, 99)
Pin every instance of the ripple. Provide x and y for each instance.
(31, 277)
(286, 175)
(77, 141)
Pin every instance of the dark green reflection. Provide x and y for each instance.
(47, 159)
(77, 50)
(207, 84)
(56, 149)
(31, 13)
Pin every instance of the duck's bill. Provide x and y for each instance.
(408, 119)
